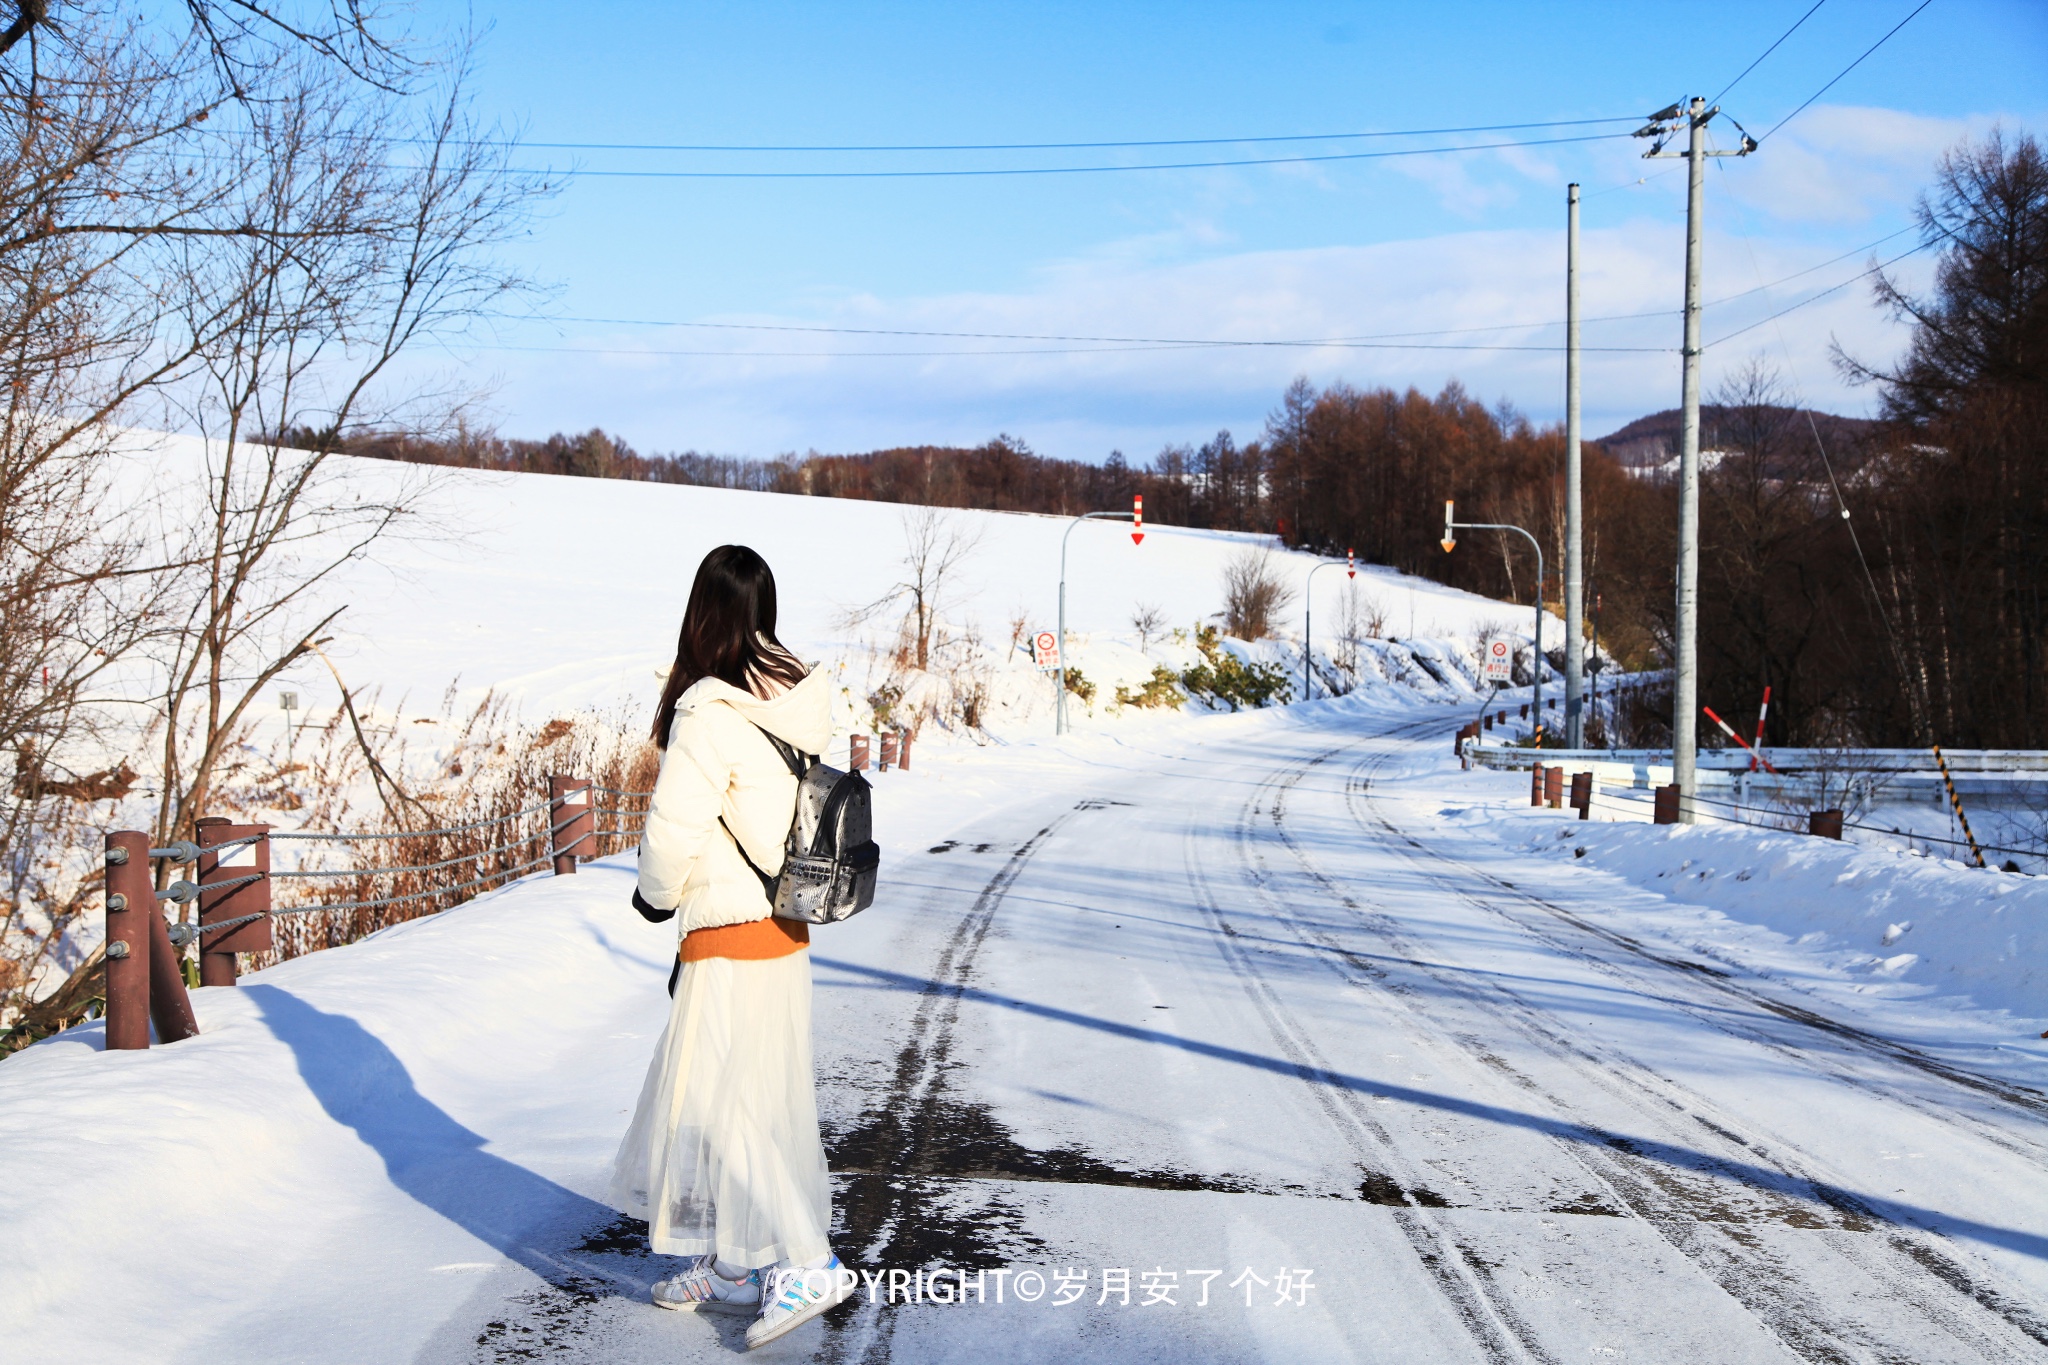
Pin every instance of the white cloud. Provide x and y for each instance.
(1836, 164)
(1069, 398)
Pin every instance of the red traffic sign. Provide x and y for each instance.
(1046, 649)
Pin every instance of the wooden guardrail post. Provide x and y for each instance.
(1536, 785)
(571, 820)
(857, 754)
(218, 904)
(1665, 811)
(1824, 824)
(131, 900)
(888, 756)
(1582, 794)
(903, 738)
(1553, 787)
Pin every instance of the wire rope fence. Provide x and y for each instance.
(237, 910)
(249, 912)
(1663, 806)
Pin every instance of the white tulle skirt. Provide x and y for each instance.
(723, 1153)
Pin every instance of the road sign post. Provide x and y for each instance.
(1499, 668)
(1450, 543)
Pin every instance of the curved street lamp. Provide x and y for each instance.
(1308, 604)
(1136, 516)
(1450, 542)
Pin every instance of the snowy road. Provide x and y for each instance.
(1240, 998)
(1239, 1009)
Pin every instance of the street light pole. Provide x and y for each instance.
(1308, 598)
(1450, 543)
(1060, 701)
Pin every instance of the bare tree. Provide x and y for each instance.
(92, 187)
(935, 545)
(1360, 616)
(1148, 620)
(1253, 593)
(244, 217)
(365, 254)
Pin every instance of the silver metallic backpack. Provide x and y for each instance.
(830, 858)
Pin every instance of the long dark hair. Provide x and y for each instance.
(728, 632)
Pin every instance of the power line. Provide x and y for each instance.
(1166, 343)
(1767, 52)
(949, 173)
(1847, 69)
(1041, 146)
(1816, 298)
(1835, 484)
(1630, 184)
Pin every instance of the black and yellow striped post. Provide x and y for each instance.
(1955, 804)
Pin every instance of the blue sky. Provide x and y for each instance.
(1362, 248)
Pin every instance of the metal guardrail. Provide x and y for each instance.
(1901, 762)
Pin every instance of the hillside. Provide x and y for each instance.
(564, 594)
(1652, 440)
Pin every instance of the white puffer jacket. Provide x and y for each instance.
(719, 764)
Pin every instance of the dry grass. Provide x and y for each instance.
(478, 824)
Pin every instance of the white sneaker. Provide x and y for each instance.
(796, 1296)
(700, 1288)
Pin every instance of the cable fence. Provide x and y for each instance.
(238, 910)
(1790, 822)
(250, 911)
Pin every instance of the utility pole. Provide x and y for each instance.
(1574, 521)
(1686, 682)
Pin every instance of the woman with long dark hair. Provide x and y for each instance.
(723, 1157)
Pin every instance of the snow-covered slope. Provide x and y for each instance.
(565, 594)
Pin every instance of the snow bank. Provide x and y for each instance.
(1885, 925)
(301, 1112)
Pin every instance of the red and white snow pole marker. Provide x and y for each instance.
(1137, 518)
(1737, 738)
(1761, 712)
(1351, 563)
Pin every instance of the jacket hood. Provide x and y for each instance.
(801, 717)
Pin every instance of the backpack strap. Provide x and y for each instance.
(794, 759)
(768, 883)
(791, 755)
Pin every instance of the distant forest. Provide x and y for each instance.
(1885, 578)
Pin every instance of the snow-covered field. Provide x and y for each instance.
(1418, 1072)
(565, 594)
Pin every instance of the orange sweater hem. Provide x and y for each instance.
(755, 941)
